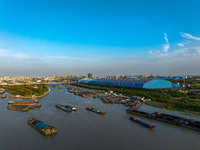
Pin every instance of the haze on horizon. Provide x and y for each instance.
(58, 37)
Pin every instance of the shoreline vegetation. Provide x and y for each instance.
(27, 91)
(158, 97)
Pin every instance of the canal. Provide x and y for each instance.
(87, 130)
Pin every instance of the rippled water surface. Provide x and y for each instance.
(87, 130)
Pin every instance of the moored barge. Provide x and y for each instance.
(96, 111)
(22, 102)
(42, 127)
(19, 108)
(171, 119)
(139, 121)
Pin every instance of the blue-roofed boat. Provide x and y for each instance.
(136, 119)
(42, 127)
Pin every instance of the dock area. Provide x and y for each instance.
(81, 92)
(133, 102)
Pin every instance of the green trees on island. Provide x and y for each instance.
(27, 90)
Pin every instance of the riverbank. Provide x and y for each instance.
(158, 97)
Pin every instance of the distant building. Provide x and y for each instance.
(89, 75)
(147, 84)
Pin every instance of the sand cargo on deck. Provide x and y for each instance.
(42, 127)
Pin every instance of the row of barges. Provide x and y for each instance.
(81, 92)
(50, 130)
(23, 105)
(171, 119)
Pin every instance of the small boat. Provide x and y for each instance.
(3, 96)
(2, 91)
(96, 111)
(42, 127)
(136, 119)
(66, 108)
(54, 86)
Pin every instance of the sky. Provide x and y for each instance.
(62, 37)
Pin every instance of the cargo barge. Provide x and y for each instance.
(42, 127)
(22, 102)
(19, 108)
(147, 125)
(66, 108)
(175, 120)
(96, 111)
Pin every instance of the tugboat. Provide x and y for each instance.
(101, 112)
(66, 108)
(42, 127)
(136, 119)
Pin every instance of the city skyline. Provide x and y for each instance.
(77, 37)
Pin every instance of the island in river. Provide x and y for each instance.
(27, 91)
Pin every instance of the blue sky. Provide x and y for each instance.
(57, 37)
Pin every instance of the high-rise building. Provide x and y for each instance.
(89, 75)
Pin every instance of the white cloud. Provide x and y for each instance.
(6, 53)
(180, 44)
(189, 36)
(166, 46)
(17, 55)
(182, 53)
(166, 39)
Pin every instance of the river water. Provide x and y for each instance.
(87, 130)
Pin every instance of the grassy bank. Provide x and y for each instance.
(27, 91)
(155, 95)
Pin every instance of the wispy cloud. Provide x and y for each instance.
(167, 45)
(189, 36)
(6, 53)
(180, 44)
(17, 55)
(67, 58)
(189, 52)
